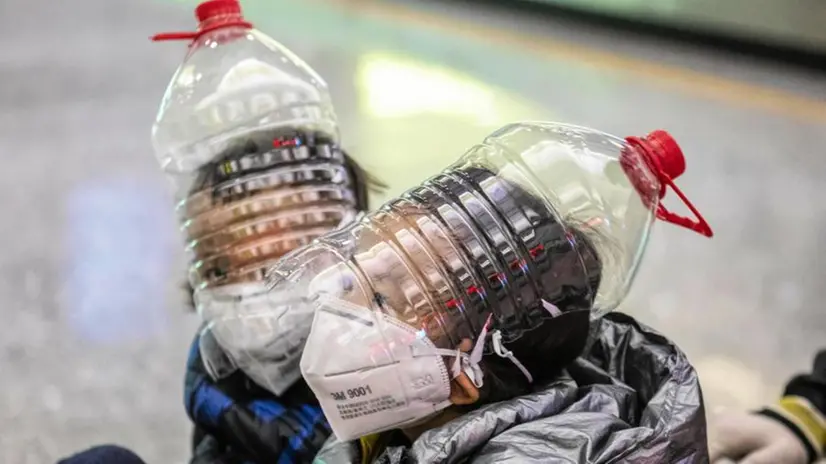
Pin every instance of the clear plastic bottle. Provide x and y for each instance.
(248, 135)
(537, 212)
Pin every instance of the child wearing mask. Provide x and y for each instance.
(250, 207)
(455, 324)
(412, 363)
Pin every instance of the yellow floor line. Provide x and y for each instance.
(738, 93)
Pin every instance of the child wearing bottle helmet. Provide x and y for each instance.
(471, 291)
(236, 420)
(407, 374)
(478, 286)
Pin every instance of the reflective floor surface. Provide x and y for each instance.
(94, 333)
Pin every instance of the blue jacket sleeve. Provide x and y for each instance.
(251, 421)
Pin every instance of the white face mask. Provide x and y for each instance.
(371, 372)
(259, 334)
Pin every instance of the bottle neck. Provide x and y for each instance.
(213, 26)
(220, 36)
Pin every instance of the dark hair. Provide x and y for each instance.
(544, 350)
(566, 271)
(550, 344)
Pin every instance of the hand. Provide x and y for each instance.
(755, 439)
(239, 415)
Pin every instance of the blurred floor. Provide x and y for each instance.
(797, 25)
(94, 336)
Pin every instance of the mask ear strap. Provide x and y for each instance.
(479, 347)
(463, 363)
(502, 352)
(499, 349)
(456, 368)
(469, 364)
(551, 308)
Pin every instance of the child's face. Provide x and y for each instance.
(234, 239)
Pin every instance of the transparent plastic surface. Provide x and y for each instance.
(596, 183)
(537, 211)
(247, 133)
(234, 83)
(444, 256)
(539, 222)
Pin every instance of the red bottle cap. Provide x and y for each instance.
(665, 159)
(669, 155)
(218, 10)
(212, 15)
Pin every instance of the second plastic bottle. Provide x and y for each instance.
(247, 133)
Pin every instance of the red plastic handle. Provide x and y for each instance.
(191, 36)
(698, 224)
(665, 159)
(164, 36)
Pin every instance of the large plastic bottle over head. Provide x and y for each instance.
(247, 133)
(491, 269)
(493, 228)
(538, 216)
